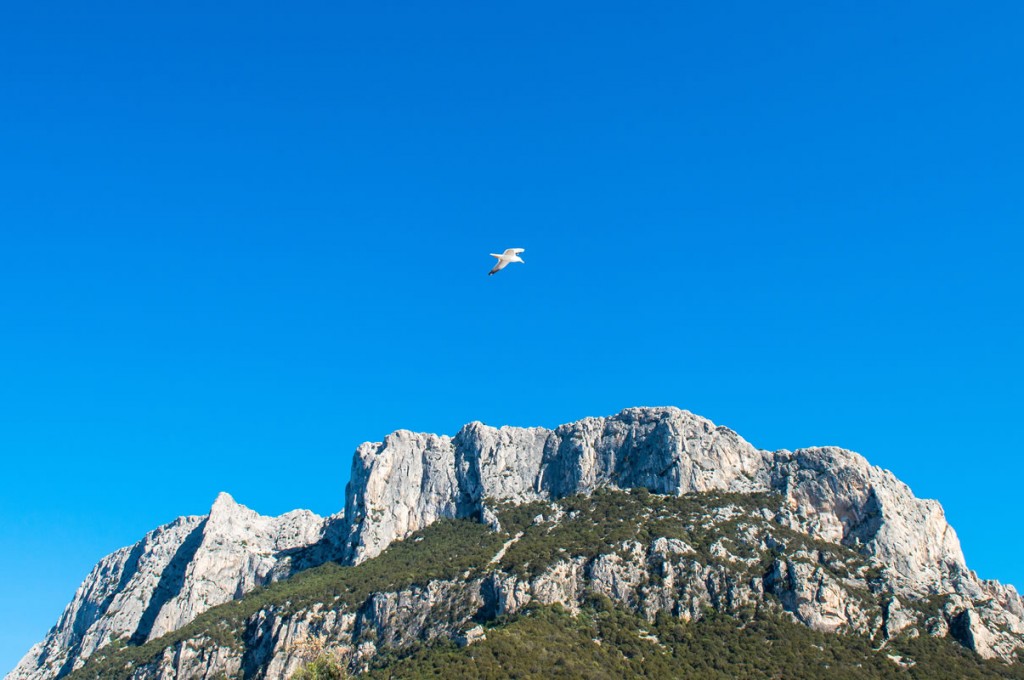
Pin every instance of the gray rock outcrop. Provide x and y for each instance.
(173, 574)
(404, 483)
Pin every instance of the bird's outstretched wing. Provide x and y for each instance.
(498, 267)
(513, 251)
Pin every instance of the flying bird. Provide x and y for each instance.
(510, 255)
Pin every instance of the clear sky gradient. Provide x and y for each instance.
(238, 240)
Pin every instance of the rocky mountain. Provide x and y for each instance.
(553, 517)
(174, 573)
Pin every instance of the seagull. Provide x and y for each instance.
(510, 255)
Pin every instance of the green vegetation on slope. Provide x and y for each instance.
(601, 522)
(324, 667)
(605, 642)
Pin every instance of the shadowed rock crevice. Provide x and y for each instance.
(469, 476)
(170, 585)
(261, 634)
(330, 548)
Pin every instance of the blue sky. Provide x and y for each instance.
(237, 241)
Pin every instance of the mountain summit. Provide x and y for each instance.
(655, 510)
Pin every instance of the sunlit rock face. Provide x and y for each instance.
(407, 481)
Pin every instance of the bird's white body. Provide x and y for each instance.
(510, 255)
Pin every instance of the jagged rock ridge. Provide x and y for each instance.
(174, 573)
(410, 480)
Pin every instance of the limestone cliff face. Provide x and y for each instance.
(407, 481)
(174, 573)
(835, 495)
(410, 480)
